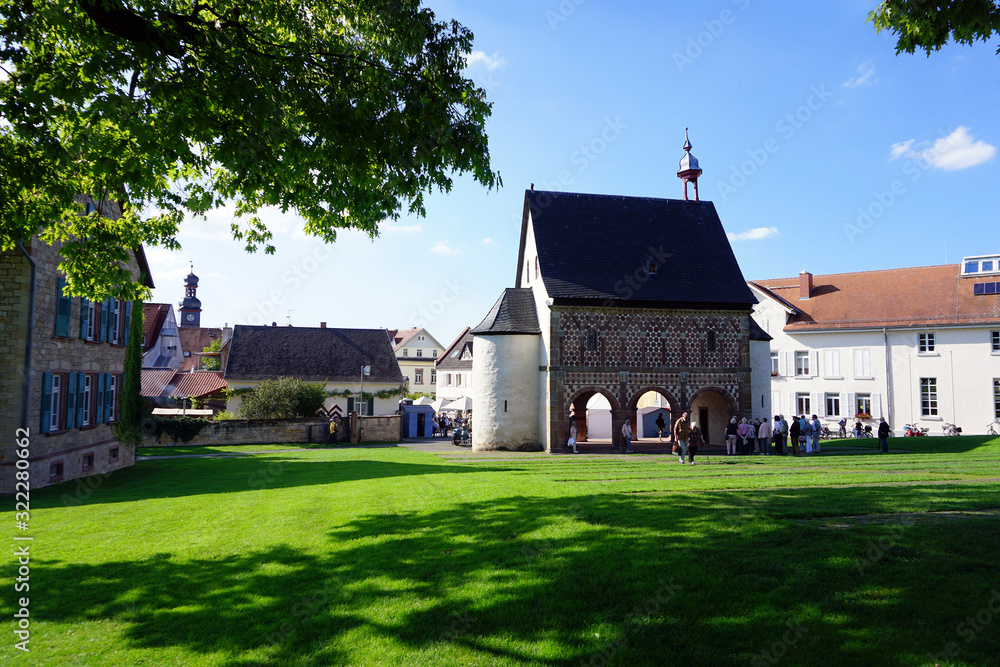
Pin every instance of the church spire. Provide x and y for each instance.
(689, 169)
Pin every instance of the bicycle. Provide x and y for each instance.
(951, 429)
(993, 428)
(913, 431)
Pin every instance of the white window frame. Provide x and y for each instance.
(831, 364)
(863, 404)
(928, 397)
(112, 386)
(91, 327)
(803, 403)
(775, 364)
(926, 342)
(862, 363)
(420, 352)
(802, 369)
(418, 376)
(88, 395)
(995, 342)
(406, 352)
(827, 398)
(996, 398)
(458, 379)
(434, 376)
(56, 407)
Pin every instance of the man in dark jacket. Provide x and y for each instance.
(794, 431)
(883, 434)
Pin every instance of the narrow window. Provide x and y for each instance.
(87, 399)
(505, 406)
(833, 405)
(710, 341)
(802, 363)
(591, 339)
(863, 405)
(995, 340)
(928, 397)
(802, 403)
(57, 382)
(418, 376)
(774, 363)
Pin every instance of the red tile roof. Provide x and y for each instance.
(401, 337)
(913, 297)
(154, 315)
(154, 381)
(172, 384)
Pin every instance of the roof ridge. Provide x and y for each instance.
(856, 273)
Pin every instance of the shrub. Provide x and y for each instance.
(284, 398)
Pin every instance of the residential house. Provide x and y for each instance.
(416, 350)
(161, 342)
(63, 361)
(916, 345)
(337, 358)
(454, 368)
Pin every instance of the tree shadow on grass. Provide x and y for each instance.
(707, 578)
(168, 478)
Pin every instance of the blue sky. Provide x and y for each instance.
(822, 151)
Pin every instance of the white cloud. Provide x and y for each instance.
(487, 241)
(442, 248)
(493, 62)
(958, 150)
(390, 228)
(865, 76)
(755, 234)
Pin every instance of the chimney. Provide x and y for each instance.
(322, 325)
(805, 285)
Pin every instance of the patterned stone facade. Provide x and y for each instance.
(77, 452)
(624, 353)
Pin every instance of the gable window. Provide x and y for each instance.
(418, 376)
(925, 342)
(802, 364)
(591, 339)
(928, 397)
(420, 352)
(420, 338)
(710, 341)
(774, 363)
(995, 341)
(652, 267)
(406, 352)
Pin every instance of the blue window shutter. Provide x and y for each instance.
(109, 326)
(64, 309)
(84, 317)
(128, 321)
(99, 412)
(46, 402)
(107, 397)
(71, 401)
(104, 322)
(81, 385)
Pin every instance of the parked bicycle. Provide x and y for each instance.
(913, 431)
(951, 429)
(993, 428)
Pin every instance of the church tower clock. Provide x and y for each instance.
(190, 307)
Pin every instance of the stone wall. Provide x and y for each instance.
(384, 428)
(277, 431)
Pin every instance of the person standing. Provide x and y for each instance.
(731, 435)
(883, 434)
(743, 432)
(806, 431)
(682, 434)
(661, 425)
(334, 433)
(627, 435)
(817, 430)
(794, 431)
(764, 436)
(694, 442)
(572, 435)
(752, 439)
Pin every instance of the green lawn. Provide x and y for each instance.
(389, 556)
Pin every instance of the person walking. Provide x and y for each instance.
(572, 435)
(743, 432)
(627, 434)
(817, 430)
(334, 436)
(794, 431)
(694, 442)
(731, 435)
(661, 425)
(883, 434)
(682, 433)
(764, 436)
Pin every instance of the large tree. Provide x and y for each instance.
(345, 112)
(919, 24)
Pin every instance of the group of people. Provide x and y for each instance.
(801, 435)
(686, 435)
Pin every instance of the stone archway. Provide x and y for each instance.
(712, 408)
(577, 408)
(634, 411)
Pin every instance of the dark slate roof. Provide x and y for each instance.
(452, 357)
(513, 313)
(756, 333)
(311, 354)
(591, 246)
(154, 315)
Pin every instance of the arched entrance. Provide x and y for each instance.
(645, 406)
(600, 405)
(711, 409)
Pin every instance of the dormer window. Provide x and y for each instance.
(984, 264)
(652, 267)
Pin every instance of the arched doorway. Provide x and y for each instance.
(644, 407)
(711, 409)
(597, 418)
